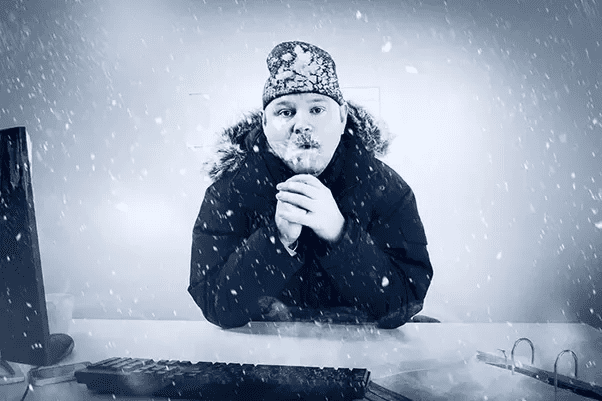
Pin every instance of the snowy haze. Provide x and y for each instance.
(495, 111)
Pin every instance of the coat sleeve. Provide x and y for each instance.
(385, 268)
(232, 267)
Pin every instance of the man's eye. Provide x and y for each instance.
(285, 113)
(317, 110)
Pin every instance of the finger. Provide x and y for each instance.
(294, 217)
(291, 213)
(308, 179)
(299, 188)
(289, 207)
(296, 199)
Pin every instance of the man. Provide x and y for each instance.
(302, 222)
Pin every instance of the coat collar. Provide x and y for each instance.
(363, 137)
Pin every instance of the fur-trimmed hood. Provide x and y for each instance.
(238, 139)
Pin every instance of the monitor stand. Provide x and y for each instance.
(59, 347)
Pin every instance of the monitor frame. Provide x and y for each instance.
(25, 337)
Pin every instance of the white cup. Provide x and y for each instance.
(60, 312)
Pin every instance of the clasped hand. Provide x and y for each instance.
(304, 201)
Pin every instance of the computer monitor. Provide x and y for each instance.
(24, 331)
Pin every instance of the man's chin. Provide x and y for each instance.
(305, 168)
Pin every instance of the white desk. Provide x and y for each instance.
(418, 360)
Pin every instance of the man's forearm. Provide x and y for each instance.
(228, 293)
(374, 280)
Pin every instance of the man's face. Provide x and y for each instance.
(304, 130)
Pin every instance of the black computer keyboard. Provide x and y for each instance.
(222, 381)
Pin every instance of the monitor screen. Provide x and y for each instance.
(24, 335)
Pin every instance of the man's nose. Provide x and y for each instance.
(302, 125)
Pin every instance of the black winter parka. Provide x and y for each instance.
(378, 271)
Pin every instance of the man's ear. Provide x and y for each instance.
(263, 119)
(344, 110)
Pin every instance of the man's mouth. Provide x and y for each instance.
(303, 155)
(306, 151)
(306, 143)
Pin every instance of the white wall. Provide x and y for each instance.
(495, 122)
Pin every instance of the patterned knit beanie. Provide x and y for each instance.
(298, 67)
